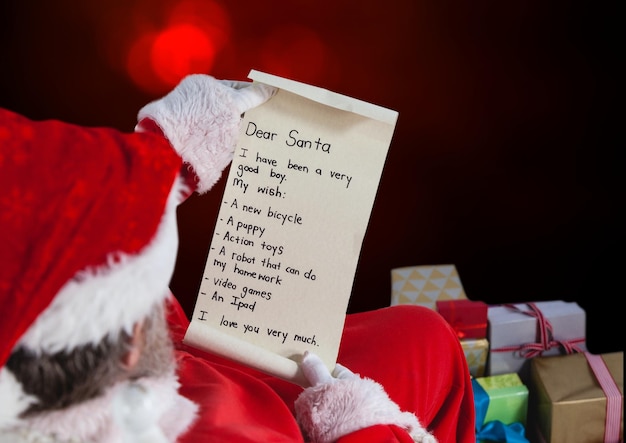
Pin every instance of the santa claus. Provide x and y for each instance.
(91, 338)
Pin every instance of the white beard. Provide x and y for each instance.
(146, 410)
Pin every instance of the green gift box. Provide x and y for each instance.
(508, 398)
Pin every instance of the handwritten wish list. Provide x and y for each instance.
(293, 216)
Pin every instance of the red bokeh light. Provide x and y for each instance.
(138, 65)
(188, 43)
(181, 50)
(208, 16)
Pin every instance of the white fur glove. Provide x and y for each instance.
(201, 118)
(338, 405)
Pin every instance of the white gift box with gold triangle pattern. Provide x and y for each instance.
(424, 285)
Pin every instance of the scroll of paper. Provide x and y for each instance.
(289, 232)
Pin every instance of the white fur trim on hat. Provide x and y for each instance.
(112, 298)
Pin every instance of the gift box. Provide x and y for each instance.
(508, 398)
(501, 406)
(519, 332)
(468, 318)
(578, 398)
(476, 351)
(424, 285)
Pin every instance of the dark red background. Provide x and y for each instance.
(505, 156)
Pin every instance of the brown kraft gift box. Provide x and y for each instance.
(568, 404)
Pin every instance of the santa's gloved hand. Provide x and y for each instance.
(339, 404)
(201, 117)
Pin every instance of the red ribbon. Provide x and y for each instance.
(474, 330)
(613, 397)
(546, 336)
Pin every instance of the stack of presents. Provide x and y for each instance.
(533, 378)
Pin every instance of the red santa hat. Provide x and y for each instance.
(88, 215)
(87, 219)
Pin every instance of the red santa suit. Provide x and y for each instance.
(88, 218)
